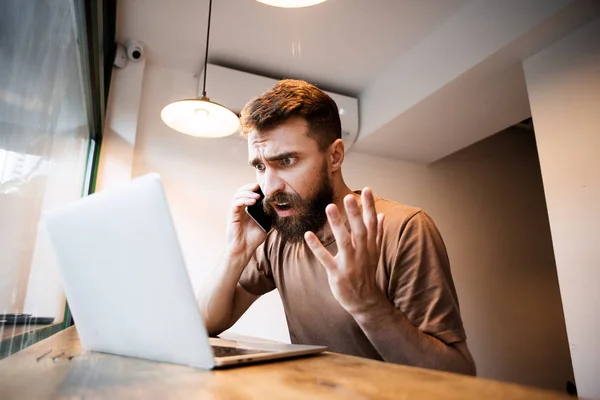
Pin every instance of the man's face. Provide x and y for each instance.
(294, 176)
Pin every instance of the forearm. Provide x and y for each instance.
(398, 341)
(217, 302)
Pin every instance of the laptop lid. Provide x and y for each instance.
(124, 275)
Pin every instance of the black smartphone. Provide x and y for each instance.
(257, 213)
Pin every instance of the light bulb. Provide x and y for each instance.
(291, 3)
(201, 118)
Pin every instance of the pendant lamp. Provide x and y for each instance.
(201, 117)
(291, 3)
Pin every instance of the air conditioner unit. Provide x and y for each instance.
(233, 89)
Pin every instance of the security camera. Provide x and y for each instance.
(135, 50)
(120, 56)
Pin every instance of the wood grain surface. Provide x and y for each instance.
(58, 368)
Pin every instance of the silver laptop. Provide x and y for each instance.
(127, 285)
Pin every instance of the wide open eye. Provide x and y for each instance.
(287, 161)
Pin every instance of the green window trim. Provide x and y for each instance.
(95, 26)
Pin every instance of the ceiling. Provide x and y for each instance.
(432, 76)
(340, 45)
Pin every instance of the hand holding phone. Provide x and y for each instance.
(243, 235)
(257, 213)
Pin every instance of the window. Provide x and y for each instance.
(45, 154)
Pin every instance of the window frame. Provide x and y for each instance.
(95, 26)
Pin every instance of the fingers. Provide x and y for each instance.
(341, 234)
(369, 216)
(249, 187)
(245, 197)
(242, 202)
(365, 226)
(320, 252)
(357, 225)
(380, 218)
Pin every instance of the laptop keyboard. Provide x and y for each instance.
(222, 351)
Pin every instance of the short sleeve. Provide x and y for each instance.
(421, 284)
(257, 277)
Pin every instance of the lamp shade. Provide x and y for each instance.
(291, 3)
(200, 117)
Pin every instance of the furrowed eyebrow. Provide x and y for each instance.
(276, 157)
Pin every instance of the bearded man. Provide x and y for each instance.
(357, 273)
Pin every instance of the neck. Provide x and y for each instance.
(341, 190)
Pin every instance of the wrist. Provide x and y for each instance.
(372, 307)
(236, 260)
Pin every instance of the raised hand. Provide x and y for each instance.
(351, 272)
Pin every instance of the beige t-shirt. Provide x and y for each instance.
(413, 272)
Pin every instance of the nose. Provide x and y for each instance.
(271, 182)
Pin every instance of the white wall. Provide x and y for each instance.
(563, 82)
(120, 127)
(487, 200)
(488, 203)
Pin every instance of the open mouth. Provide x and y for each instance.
(283, 206)
(283, 209)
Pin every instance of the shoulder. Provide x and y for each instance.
(403, 222)
(397, 214)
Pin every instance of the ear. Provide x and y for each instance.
(336, 155)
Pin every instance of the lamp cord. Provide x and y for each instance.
(206, 51)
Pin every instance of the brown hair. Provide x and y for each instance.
(294, 98)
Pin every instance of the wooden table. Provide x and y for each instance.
(57, 368)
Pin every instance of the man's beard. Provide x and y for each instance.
(309, 214)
